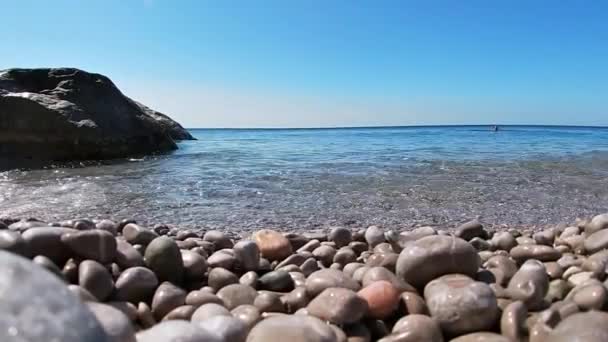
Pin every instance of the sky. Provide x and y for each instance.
(320, 63)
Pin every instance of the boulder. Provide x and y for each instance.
(68, 114)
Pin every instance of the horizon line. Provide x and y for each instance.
(397, 126)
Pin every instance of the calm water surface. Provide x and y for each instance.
(311, 178)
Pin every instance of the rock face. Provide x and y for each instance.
(69, 114)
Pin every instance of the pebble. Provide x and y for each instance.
(47, 241)
(512, 322)
(382, 299)
(530, 284)
(326, 278)
(177, 331)
(219, 277)
(481, 337)
(98, 245)
(219, 239)
(136, 284)
(96, 279)
(138, 235)
(247, 254)
(374, 236)
(234, 295)
(433, 256)
(279, 281)
(591, 326)
(470, 230)
(543, 253)
(115, 323)
(340, 236)
(199, 298)
(338, 305)
(415, 327)
(43, 308)
(208, 310)
(12, 241)
(166, 298)
(298, 328)
(195, 266)
(225, 328)
(127, 256)
(461, 305)
(272, 244)
(164, 258)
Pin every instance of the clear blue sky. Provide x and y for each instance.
(330, 63)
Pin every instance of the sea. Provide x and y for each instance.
(310, 179)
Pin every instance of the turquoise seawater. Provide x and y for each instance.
(309, 178)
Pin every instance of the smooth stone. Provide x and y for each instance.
(571, 271)
(339, 333)
(326, 278)
(433, 256)
(11, 241)
(596, 241)
(82, 293)
(296, 240)
(461, 305)
(108, 226)
(247, 255)
(579, 278)
(413, 304)
(269, 302)
(357, 332)
(183, 312)
(279, 281)
(374, 235)
(127, 256)
(219, 277)
(236, 294)
(299, 279)
(138, 235)
(480, 244)
(295, 300)
(69, 271)
(482, 336)
(294, 259)
(166, 298)
(349, 269)
(164, 258)
(47, 241)
(558, 289)
(599, 222)
(226, 328)
(470, 230)
(297, 328)
(96, 279)
(23, 225)
(128, 309)
(589, 295)
(309, 266)
(144, 316)
(48, 264)
(325, 254)
(503, 267)
(338, 305)
(219, 239)
(39, 306)
(250, 279)
(591, 326)
(382, 299)
(136, 284)
(309, 246)
(98, 245)
(503, 241)
(199, 298)
(529, 284)
(513, 320)
(543, 253)
(545, 237)
(195, 266)
(375, 274)
(177, 331)
(340, 236)
(272, 244)
(208, 310)
(115, 323)
(417, 328)
(345, 255)
(223, 258)
(554, 270)
(248, 314)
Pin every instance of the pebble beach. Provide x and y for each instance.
(118, 281)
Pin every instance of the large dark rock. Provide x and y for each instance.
(69, 114)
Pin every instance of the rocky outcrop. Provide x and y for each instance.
(69, 114)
